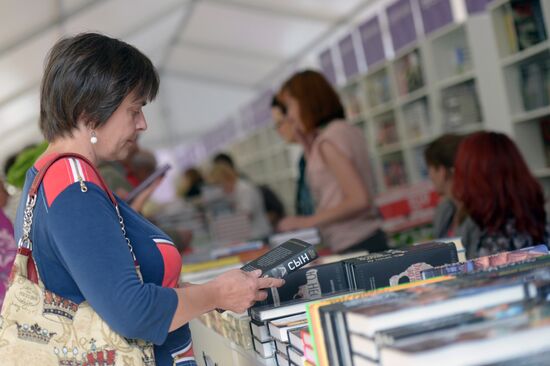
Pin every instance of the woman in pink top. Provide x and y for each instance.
(338, 167)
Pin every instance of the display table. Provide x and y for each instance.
(213, 349)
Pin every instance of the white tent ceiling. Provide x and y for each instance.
(213, 55)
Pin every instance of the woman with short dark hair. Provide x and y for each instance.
(505, 203)
(338, 167)
(93, 91)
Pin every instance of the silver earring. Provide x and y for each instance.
(93, 139)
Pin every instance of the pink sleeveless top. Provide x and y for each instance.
(327, 192)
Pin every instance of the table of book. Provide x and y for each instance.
(222, 351)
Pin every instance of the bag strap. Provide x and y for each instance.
(25, 243)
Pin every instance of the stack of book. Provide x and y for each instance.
(442, 320)
(534, 82)
(409, 73)
(487, 262)
(285, 307)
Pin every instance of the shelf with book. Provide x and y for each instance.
(416, 119)
(409, 75)
(452, 56)
(379, 89)
(456, 79)
(519, 28)
(533, 139)
(390, 149)
(460, 106)
(531, 115)
(386, 134)
(529, 52)
(394, 170)
(353, 99)
(528, 84)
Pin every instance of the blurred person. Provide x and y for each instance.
(192, 183)
(245, 197)
(88, 242)
(303, 204)
(338, 167)
(503, 201)
(7, 242)
(274, 208)
(141, 164)
(440, 158)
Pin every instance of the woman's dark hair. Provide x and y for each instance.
(319, 102)
(442, 151)
(495, 185)
(87, 77)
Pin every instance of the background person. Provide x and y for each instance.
(440, 159)
(338, 167)
(503, 200)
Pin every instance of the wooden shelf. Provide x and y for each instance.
(542, 173)
(411, 97)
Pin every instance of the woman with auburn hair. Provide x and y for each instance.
(338, 168)
(494, 186)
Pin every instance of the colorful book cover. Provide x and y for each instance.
(284, 259)
(314, 321)
(309, 283)
(395, 267)
(483, 263)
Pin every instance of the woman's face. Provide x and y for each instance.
(293, 112)
(117, 137)
(282, 125)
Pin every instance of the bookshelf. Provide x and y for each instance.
(441, 83)
(520, 32)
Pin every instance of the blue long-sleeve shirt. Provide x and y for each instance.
(81, 254)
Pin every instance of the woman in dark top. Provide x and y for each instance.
(505, 203)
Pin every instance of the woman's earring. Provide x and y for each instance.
(93, 139)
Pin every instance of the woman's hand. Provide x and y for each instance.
(295, 223)
(238, 290)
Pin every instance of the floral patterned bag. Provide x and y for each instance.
(39, 327)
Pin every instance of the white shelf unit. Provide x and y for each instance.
(451, 91)
(525, 69)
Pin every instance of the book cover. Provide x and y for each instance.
(400, 334)
(268, 312)
(477, 343)
(386, 130)
(483, 263)
(316, 330)
(309, 283)
(528, 22)
(443, 299)
(394, 267)
(284, 259)
(279, 328)
(394, 170)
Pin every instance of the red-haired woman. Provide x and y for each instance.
(494, 186)
(338, 167)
